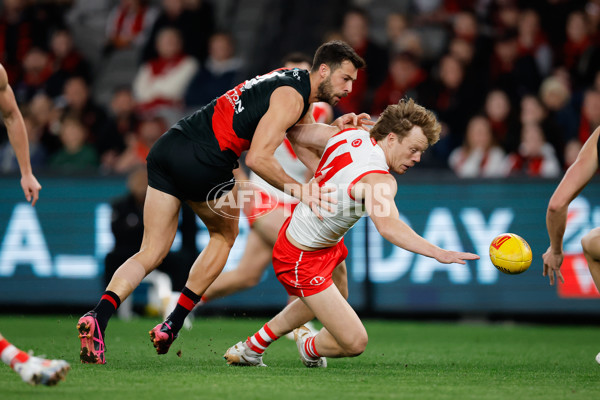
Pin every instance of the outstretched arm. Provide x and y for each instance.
(575, 179)
(378, 191)
(17, 135)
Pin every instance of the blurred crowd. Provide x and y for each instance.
(516, 84)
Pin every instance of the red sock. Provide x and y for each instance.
(10, 355)
(261, 339)
(310, 348)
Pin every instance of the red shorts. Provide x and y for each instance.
(304, 273)
(266, 204)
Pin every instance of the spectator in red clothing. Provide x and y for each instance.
(139, 144)
(66, 62)
(532, 41)
(128, 25)
(535, 157)
(580, 55)
(503, 119)
(160, 84)
(37, 69)
(404, 76)
(590, 114)
(355, 32)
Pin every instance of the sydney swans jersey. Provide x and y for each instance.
(291, 165)
(348, 156)
(225, 126)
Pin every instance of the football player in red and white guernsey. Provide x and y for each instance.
(307, 250)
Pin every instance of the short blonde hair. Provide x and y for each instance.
(402, 117)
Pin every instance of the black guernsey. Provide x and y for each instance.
(225, 126)
(198, 154)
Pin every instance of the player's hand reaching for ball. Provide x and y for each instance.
(552, 263)
(458, 257)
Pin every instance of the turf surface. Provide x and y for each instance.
(404, 360)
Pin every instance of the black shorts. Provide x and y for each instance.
(175, 166)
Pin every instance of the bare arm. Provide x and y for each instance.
(17, 135)
(572, 183)
(378, 191)
(285, 108)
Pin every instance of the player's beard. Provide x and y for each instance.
(325, 92)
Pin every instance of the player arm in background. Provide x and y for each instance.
(17, 135)
(285, 107)
(378, 191)
(575, 179)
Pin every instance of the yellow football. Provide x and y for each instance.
(510, 253)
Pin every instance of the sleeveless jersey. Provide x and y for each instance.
(348, 156)
(225, 126)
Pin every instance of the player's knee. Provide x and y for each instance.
(357, 345)
(591, 243)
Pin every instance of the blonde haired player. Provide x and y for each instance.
(33, 370)
(307, 250)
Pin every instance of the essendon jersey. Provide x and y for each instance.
(226, 125)
(348, 157)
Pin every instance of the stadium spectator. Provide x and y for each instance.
(403, 79)
(66, 62)
(535, 157)
(532, 41)
(160, 84)
(122, 121)
(555, 95)
(18, 34)
(47, 118)
(572, 149)
(138, 144)
(516, 73)
(355, 32)
(76, 153)
(129, 24)
(580, 55)
(590, 114)
(479, 156)
(37, 152)
(503, 119)
(77, 102)
(195, 20)
(534, 112)
(218, 74)
(37, 69)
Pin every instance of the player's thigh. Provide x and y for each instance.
(161, 216)
(591, 243)
(269, 224)
(336, 314)
(257, 256)
(221, 216)
(340, 278)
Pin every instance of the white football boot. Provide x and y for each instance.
(241, 354)
(38, 370)
(300, 336)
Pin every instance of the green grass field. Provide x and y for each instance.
(404, 360)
